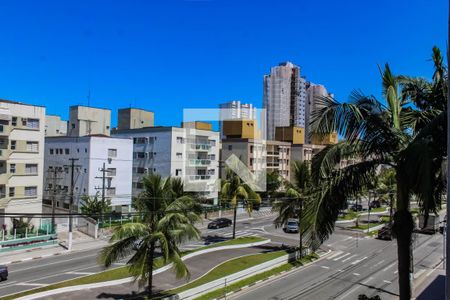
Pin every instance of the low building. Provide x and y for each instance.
(22, 131)
(133, 118)
(54, 126)
(189, 153)
(91, 154)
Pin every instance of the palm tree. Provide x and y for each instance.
(235, 191)
(168, 219)
(375, 134)
(297, 193)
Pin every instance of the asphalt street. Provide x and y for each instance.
(36, 273)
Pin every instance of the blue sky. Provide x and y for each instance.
(169, 55)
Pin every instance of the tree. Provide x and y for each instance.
(95, 207)
(273, 184)
(168, 219)
(375, 135)
(235, 191)
(297, 193)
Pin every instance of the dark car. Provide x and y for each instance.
(3, 272)
(219, 223)
(356, 207)
(385, 233)
(375, 204)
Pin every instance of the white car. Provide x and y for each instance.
(291, 226)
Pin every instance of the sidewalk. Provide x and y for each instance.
(432, 286)
(47, 251)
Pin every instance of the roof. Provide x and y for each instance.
(20, 103)
(80, 105)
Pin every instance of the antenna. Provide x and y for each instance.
(89, 97)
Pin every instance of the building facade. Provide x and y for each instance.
(91, 153)
(235, 110)
(189, 153)
(284, 98)
(22, 131)
(86, 120)
(132, 118)
(54, 126)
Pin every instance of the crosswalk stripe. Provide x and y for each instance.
(359, 260)
(335, 254)
(350, 257)
(341, 257)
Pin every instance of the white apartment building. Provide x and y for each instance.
(284, 98)
(54, 126)
(235, 110)
(314, 91)
(22, 130)
(189, 153)
(91, 154)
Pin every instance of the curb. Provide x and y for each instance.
(130, 279)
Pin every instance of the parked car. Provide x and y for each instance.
(290, 226)
(3, 272)
(385, 233)
(443, 225)
(375, 204)
(356, 207)
(432, 225)
(219, 223)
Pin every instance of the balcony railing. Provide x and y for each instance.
(201, 147)
(203, 162)
(199, 177)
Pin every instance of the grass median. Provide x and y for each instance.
(227, 268)
(122, 272)
(261, 276)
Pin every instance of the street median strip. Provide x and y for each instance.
(121, 275)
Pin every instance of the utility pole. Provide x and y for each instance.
(54, 191)
(72, 183)
(104, 187)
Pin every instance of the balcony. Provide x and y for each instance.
(201, 147)
(199, 177)
(5, 130)
(200, 162)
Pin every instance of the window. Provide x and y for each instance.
(139, 154)
(85, 150)
(85, 170)
(12, 191)
(67, 151)
(112, 152)
(230, 147)
(32, 146)
(178, 172)
(12, 168)
(31, 168)
(13, 145)
(112, 171)
(180, 140)
(66, 170)
(212, 157)
(32, 123)
(73, 125)
(14, 121)
(212, 143)
(78, 150)
(140, 140)
(30, 191)
(139, 185)
(179, 155)
(251, 149)
(51, 151)
(140, 170)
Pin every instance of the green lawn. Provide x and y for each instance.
(122, 272)
(238, 285)
(378, 209)
(349, 216)
(366, 226)
(227, 268)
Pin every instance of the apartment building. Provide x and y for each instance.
(54, 126)
(22, 130)
(284, 98)
(132, 118)
(91, 153)
(86, 120)
(191, 153)
(315, 92)
(235, 110)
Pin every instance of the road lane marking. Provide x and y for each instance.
(10, 283)
(359, 260)
(379, 263)
(31, 284)
(356, 274)
(388, 267)
(350, 257)
(340, 257)
(324, 267)
(396, 272)
(387, 281)
(335, 254)
(345, 296)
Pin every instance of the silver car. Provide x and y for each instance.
(290, 226)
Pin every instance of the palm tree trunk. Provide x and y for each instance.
(234, 221)
(150, 267)
(300, 231)
(402, 228)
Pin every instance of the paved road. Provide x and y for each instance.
(363, 266)
(35, 273)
